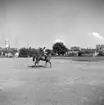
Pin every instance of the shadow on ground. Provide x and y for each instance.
(39, 66)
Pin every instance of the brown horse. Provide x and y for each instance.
(38, 57)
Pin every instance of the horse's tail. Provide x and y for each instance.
(34, 58)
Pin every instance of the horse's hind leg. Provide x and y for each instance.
(35, 63)
(38, 63)
(46, 64)
(49, 63)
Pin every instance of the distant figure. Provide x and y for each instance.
(6, 55)
(16, 54)
(95, 54)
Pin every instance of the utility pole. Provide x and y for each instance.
(7, 46)
(17, 44)
(27, 49)
(17, 52)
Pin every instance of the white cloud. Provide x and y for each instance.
(58, 40)
(62, 37)
(97, 35)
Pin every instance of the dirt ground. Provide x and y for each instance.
(66, 83)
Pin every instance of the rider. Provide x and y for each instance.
(44, 52)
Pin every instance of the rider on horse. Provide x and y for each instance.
(42, 55)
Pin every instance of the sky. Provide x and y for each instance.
(39, 23)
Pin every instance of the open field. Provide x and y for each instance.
(98, 58)
(66, 83)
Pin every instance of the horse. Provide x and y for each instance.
(38, 57)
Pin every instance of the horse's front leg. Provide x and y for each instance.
(50, 64)
(35, 63)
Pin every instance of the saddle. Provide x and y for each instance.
(43, 56)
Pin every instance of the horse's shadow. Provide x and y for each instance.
(37, 66)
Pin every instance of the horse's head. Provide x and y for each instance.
(48, 54)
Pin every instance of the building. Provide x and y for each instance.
(75, 48)
(99, 47)
(7, 45)
(72, 53)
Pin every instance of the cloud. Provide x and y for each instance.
(97, 35)
(62, 37)
(58, 40)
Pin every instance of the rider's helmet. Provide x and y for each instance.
(44, 47)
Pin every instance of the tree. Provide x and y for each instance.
(40, 50)
(48, 51)
(31, 52)
(59, 48)
(53, 53)
(12, 50)
(23, 52)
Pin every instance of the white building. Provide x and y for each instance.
(7, 45)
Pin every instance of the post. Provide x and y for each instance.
(27, 50)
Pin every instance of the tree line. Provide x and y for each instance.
(58, 49)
